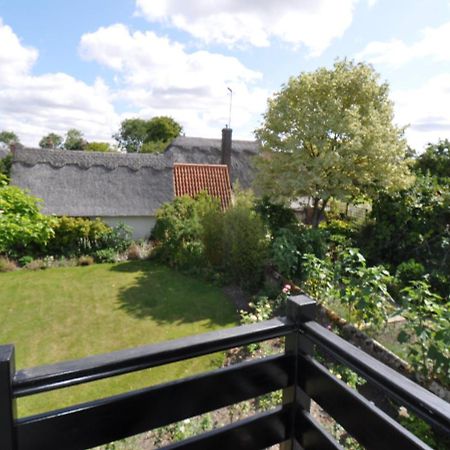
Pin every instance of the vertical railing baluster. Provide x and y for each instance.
(300, 308)
(7, 402)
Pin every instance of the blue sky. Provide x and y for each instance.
(90, 64)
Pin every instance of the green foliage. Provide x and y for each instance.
(412, 223)
(24, 260)
(105, 255)
(98, 147)
(52, 141)
(290, 244)
(213, 237)
(362, 289)
(423, 431)
(330, 133)
(318, 278)
(139, 135)
(154, 147)
(275, 216)
(74, 140)
(9, 138)
(22, 226)
(75, 236)
(285, 255)
(245, 243)
(427, 332)
(409, 271)
(347, 280)
(5, 169)
(435, 161)
(179, 230)
(162, 128)
(195, 233)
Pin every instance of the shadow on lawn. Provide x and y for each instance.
(169, 297)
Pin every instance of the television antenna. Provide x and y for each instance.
(231, 101)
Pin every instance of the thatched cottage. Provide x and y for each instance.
(120, 188)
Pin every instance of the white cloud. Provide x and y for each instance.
(433, 44)
(313, 23)
(426, 111)
(33, 106)
(160, 77)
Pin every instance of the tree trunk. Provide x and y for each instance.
(316, 213)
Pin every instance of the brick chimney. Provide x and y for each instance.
(226, 147)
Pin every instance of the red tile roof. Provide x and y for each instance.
(191, 179)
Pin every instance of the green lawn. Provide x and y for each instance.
(66, 313)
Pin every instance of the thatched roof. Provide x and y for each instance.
(79, 183)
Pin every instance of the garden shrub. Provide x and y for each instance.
(412, 224)
(178, 231)
(24, 260)
(105, 255)
(290, 244)
(245, 243)
(23, 229)
(75, 236)
(409, 271)
(275, 216)
(213, 237)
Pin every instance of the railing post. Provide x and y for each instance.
(7, 402)
(300, 308)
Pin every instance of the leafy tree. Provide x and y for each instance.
(435, 161)
(139, 135)
(98, 147)
(9, 138)
(412, 223)
(162, 128)
(75, 140)
(330, 133)
(52, 141)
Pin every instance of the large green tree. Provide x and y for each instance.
(330, 134)
(52, 141)
(435, 161)
(75, 140)
(146, 136)
(9, 138)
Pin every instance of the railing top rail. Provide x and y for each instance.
(427, 405)
(69, 373)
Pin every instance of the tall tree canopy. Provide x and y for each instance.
(51, 140)
(153, 135)
(9, 138)
(330, 133)
(436, 160)
(75, 140)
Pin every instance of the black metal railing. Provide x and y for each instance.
(301, 377)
